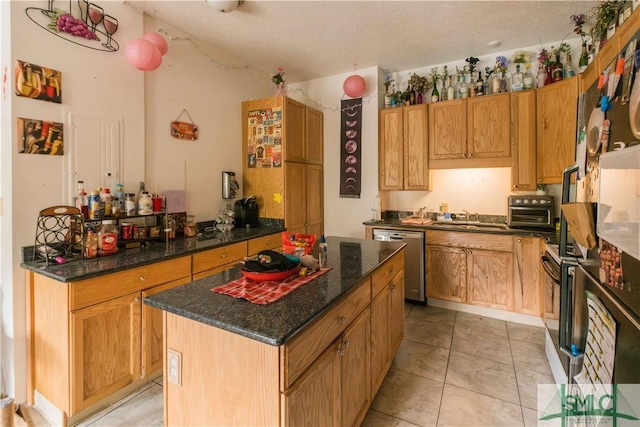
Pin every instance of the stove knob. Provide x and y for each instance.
(526, 201)
(534, 202)
(518, 201)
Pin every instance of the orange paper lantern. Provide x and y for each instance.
(354, 86)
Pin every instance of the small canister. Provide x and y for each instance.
(130, 204)
(126, 231)
(154, 231)
(142, 232)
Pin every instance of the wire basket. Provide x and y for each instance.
(59, 234)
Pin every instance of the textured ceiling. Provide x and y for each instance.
(313, 39)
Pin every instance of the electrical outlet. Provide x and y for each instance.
(174, 367)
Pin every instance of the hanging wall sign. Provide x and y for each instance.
(264, 138)
(184, 130)
(36, 82)
(350, 152)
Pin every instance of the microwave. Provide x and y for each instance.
(619, 200)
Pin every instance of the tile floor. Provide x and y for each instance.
(452, 369)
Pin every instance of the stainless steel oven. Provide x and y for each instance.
(534, 212)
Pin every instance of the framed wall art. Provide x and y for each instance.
(40, 137)
(37, 82)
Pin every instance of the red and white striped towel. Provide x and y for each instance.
(265, 292)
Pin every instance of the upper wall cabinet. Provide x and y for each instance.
(557, 109)
(523, 140)
(403, 149)
(303, 130)
(472, 132)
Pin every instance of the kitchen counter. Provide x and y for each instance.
(350, 259)
(79, 269)
(549, 236)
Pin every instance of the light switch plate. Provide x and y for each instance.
(174, 367)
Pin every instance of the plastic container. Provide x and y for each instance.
(130, 204)
(108, 239)
(106, 197)
(91, 245)
(145, 204)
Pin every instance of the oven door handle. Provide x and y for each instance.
(548, 264)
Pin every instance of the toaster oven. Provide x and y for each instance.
(531, 212)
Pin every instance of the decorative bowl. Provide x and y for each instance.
(269, 276)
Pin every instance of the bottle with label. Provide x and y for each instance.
(557, 70)
(108, 239)
(528, 80)
(450, 89)
(464, 90)
(82, 200)
(145, 204)
(323, 252)
(584, 59)
(130, 204)
(91, 245)
(120, 197)
(517, 80)
(140, 191)
(106, 198)
(479, 85)
(95, 211)
(435, 95)
(568, 68)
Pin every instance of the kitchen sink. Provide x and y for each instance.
(471, 225)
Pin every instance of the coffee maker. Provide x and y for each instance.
(246, 212)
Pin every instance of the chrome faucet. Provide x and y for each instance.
(465, 217)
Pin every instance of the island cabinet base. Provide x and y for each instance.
(224, 378)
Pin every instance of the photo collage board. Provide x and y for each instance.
(264, 138)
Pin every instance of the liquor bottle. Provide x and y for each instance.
(435, 95)
(450, 89)
(387, 99)
(472, 86)
(412, 95)
(479, 85)
(568, 68)
(464, 89)
(456, 89)
(528, 80)
(557, 71)
(584, 59)
(517, 80)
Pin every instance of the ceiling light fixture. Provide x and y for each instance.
(494, 43)
(225, 6)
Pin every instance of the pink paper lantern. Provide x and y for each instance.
(354, 86)
(143, 55)
(157, 40)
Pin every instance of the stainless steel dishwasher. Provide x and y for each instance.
(414, 281)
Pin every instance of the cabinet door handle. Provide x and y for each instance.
(342, 319)
(137, 299)
(470, 154)
(470, 252)
(519, 240)
(223, 256)
(346, 344)
(143, 278)
(393, 288)
(269, 243)
(341, 351)
(462, 251)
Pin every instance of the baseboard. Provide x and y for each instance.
(49, 411)
(508, 316)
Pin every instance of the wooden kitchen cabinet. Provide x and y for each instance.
(527, 275)
(105, 349)
(271, 242)
(297, 131)
(549, 291)
(387, 318)
(88, 336)
(304, 201)
(523, 141)
(557, 109)
(212, 261)
(403, 148)
(472, 132)
(471, 268)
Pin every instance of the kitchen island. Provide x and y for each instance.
(316, 356)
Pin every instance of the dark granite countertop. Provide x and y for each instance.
(492, 228)
(278, 322)
(79, 269)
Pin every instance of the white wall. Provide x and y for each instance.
(212, 96)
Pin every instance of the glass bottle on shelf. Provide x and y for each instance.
(456, 89)
(542, 76)
(528, 80)
(450, 89)
(584, 59)
(503, 83)
(472, 85)
(568, 68)
(464, 89)
(557, 70)
(444, 93)
(479, 85)
(517, 79)
(412, 95)
(387, 98)
(435, 94)
(495, 83)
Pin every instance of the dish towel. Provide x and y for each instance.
(265, 292)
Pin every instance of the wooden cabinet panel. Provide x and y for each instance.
(314, 136)
(91, 291)
(302, 350)
(295, 200)
(271, 242)
(496, 242)
(416, 148)
(391, 146)
(446, 273)
(523, 140)
(490, 278)
(448, 130)
(152, 329)
(385, 273)
(527, 275)
(315, 398)
(294, 130)
(105, 349)
(557, 109)
(488, 126)
(380, 355)
(218, 257)
(355, 390)
(314, 184)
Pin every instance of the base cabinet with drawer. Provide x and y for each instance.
(88, 337)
